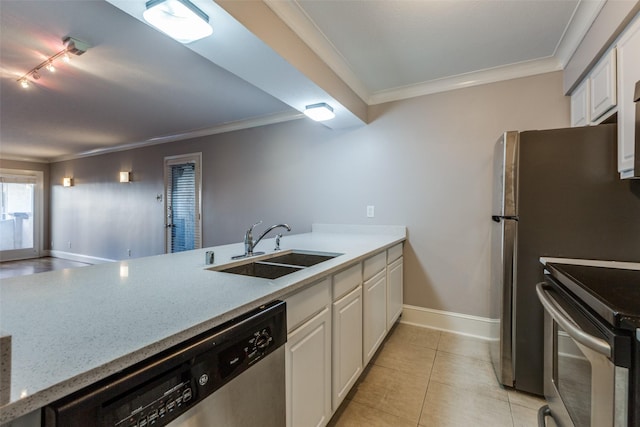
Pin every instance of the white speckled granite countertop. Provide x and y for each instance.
(73, 327)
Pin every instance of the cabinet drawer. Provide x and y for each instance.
(346, 280)
(303, 305)
(394, 252)
(374, 265)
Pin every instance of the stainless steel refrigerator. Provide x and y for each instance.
(557, 193)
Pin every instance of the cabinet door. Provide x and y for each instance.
(580, 105)
(628, 74)
(308, 372)
(394, 286)
(374, 320)
(603, 86)
(347, 344)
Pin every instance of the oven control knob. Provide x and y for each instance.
(204, 379)
(263, 340)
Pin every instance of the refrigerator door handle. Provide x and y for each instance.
(498, 218)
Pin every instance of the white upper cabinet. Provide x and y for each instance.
(602, 86)
(580, 105)
(594, 100)
(628, 74)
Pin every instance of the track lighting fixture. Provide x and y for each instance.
(71, 46)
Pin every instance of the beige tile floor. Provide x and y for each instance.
(423, 377)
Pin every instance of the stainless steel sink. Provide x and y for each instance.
(303, 258)
(262, 269)
(279, 264)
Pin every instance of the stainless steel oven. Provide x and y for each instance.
(582, 383)
(591, 344)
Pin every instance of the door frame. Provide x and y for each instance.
(180, 159)
(38, 217)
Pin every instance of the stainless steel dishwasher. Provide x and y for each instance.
(230, 376)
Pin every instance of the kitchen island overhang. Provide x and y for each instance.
(71, 328)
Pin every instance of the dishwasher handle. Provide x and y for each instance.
(570, 327)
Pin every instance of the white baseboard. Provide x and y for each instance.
(78, 257)
(462, 324)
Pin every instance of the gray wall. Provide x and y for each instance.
(423, 162)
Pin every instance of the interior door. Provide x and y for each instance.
(20, 214)
(183, 203)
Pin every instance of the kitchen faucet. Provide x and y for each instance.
(250, 244)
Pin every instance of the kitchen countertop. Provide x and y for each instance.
(73, 327)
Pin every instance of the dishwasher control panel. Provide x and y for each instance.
(157, 391)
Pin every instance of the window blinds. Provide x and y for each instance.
(182, 196)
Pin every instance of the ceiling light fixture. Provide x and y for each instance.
(319, 112)
(71, 46)
(179, 19)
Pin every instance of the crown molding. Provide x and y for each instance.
(290, 12)
(295, 17)
(23, 159)
(583, 16)
(223, 128)
(476, 78)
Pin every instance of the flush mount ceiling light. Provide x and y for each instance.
(319, 112)
(179, 19)
(71, 46)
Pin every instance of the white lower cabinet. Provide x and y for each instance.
(308, 356)
(334, 328)
(394, 291)
(374, 320)
(308, 372)
(347, 343)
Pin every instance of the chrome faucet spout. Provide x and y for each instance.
(273, 227)
(250, 244)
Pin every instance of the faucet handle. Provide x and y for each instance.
(257, 223)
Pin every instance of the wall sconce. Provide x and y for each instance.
(179, 19)
(67, 181)
(319, 112)
(125, 176)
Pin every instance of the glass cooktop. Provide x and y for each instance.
(613, 293)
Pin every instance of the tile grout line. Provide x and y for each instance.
(424, 398)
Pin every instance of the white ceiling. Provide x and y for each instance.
(136, 86)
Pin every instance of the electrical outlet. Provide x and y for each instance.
(69, 244)
(370, 211)
(129, 252)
